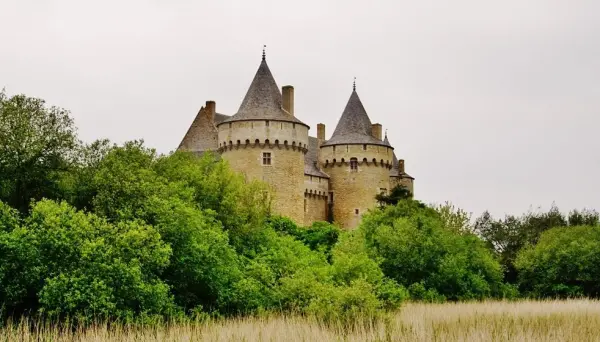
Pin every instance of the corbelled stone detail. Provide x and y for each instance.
(312, 179)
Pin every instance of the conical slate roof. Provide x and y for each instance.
(263, 100)
(386, 142)
(354, 126)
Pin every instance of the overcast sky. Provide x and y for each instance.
(493, 104)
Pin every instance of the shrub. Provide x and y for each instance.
(78, 264)
(564, 263)
(415, 247)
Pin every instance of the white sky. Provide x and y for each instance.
(493, 104)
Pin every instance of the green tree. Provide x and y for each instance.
(509, 235)
(454, 218)
(564, 263)
(398, 193)
(418, 251)
(585, 217)
(77, 186)
(320, 236)
(36, 147)
(65, 262)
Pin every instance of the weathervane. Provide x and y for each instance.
(264, 56)
(354, 84)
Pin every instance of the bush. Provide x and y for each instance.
(79, 264)
(564, 263)
(320, 236)
(431, 260)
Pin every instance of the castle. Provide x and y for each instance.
(313, 178)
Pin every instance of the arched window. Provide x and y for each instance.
(353, 164)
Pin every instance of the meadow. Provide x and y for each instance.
(551, 320)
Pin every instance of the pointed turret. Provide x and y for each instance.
(263, 100)
(354, 126)
(385, 140)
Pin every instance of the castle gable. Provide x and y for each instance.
(202, 133)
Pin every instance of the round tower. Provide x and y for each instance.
(358, 163)
(265, 141)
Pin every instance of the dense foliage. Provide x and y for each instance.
(120, 232)
(506, 237)
(434, 262)
(564, 263)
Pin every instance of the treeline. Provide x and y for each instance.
(105, 231)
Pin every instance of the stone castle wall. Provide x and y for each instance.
(354, 191)
(276, 132)
(404, 181)
(315, 209)
(286, 143)
(316, 193)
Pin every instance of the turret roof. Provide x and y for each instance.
(263, 100)
(311, 158)
(354, 126)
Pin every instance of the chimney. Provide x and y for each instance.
(401, 165)
(320, 133)
(376, 131)
(288, 99)
(211, 109)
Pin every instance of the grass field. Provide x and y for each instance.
(575, 320)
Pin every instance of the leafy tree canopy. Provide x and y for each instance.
(564, 263)
(36, 146)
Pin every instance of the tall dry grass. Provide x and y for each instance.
(574, 320)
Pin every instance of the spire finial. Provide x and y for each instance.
(264, 55)
(386, 132)
(354, 84)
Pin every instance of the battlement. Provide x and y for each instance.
(263, 133)
(257, 143)
(362, 154)
(312, 178)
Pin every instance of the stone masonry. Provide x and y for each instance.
(312, 178)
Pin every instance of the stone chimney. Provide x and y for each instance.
(401, 165)
(211, 110)
(288, 99)
(320, 133)
(376, 131)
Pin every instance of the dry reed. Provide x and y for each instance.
(573, 320)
